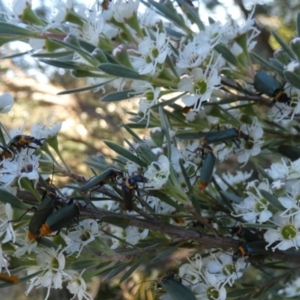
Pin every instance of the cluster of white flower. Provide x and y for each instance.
(207, 277)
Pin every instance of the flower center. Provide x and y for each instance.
(288, 232)
(85, 236)
(200, 87)
(261, 205)
(154, 52)
(212, 293)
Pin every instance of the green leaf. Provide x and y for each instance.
(103, 267)
(136, 138)
(125, 153)
(165, 128)
(61, 64)
(132, 269)
(227, 54)
(292, 78)
(53, 54)
(259, 58)
(86, 55)
(272, 200)
(10, 29)
(6, 197)
(277, 65)
(83, 89)
(165, 198)
(16, 55)
(165, 11)
(240, 292)
(298, 24)
(192, 14)
(146, 154)
(84, 264)
(263, 173)
(119, 96)
(121, 71)
(234, 198)
(166, 253)
(115, 271)
(283, 45)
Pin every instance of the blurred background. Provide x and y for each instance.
(87, 121)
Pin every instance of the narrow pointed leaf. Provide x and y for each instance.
(227, 54)
(83, 89)
(272, 199)
(10, 29)
(132, 269)
(298, 24)
(165, 11)
(6, 197)
(119, 96)
(120, 71)
(86, 55)
(53, 54)
(192, 13)
(61, 64)
(115, 271)
(146, 154)
(284, 46)
(234, 198)
(263, 173)
(125, 153)
(292, 78)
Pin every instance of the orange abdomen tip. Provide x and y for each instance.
(9, 278)
(45, 230)
(31, 236)
(202, 185)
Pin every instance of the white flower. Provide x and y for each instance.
(278, 170)
(150, 98)
(24, 165)
(152, 54)
(223, 267)
(158, 173)
(133, 234)
(83, 234)
(77, 286)
(6, 102)
(197, 51)
(200, 84)
(254, 208)
(6, 225)
(123, 10)
(45, 130)
(52, 263)
(287, 234)
(291, 290)
(25, 246)
(291, 204)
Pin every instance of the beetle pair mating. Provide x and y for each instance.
(208, 157)
(45, 221)
(129, 184)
